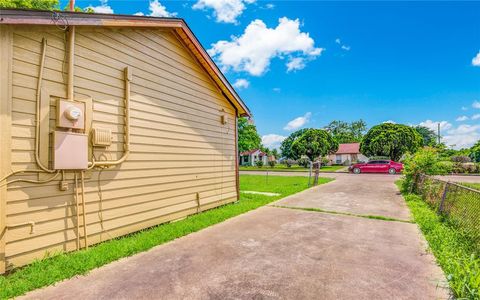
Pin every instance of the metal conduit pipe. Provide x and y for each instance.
(77, 210)
(126, 146)
(71, 62)
(29, 223)
(85, 236)
(39, 92)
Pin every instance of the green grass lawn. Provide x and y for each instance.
(48, 271)
(455, 253)
(284, 168)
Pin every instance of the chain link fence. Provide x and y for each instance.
(460, 205)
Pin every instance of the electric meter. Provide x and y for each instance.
(73, 113)
(70, 114)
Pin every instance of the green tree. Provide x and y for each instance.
(392, 140)
(429, 136)
(79, 9)
(475, 152)
(30, 4)
(345, 132)
(248, 137)
(286, 146)
(314, 143)
(275, 153)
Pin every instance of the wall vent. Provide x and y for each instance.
(101, 137)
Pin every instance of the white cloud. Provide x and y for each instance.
(296, 63)
(475, 117)
(476, 104)
(158, 10)
(273, 141)
(277, 89)
(226, 11)
(461, 118)
(476, 60)
(253, 51)
(270, 6)
(464, 108)
(103, 8)
(139, 14)
(464, 136)
(390, 121)
(343, 46)
(298, 122)
(433, 125)
(241, 83)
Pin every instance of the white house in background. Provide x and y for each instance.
(347, 154)
(250, 157)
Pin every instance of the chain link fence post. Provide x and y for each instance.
(444, 196)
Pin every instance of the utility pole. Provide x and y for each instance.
(438, 132)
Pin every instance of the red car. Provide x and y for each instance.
(377, 166)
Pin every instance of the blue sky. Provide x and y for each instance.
(305, 63)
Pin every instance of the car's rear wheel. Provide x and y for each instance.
(392, 171)
(356, 170)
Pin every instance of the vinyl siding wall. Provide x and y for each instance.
(178, 146)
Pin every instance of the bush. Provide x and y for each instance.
(461, 159)
(259, 163)
(423, 162)
(272, 163)
(462, 168)
(324, 161)
(445, 167)
(304, 162)
(288, 162)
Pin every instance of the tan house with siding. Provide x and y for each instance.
(108, 124)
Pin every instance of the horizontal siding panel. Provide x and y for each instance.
(52, 87)
(23, 191)
(132, 56)
(147, 47)
(65, 200)
(137, 165)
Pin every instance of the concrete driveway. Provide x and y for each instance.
(372, 194)
(282, 253)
